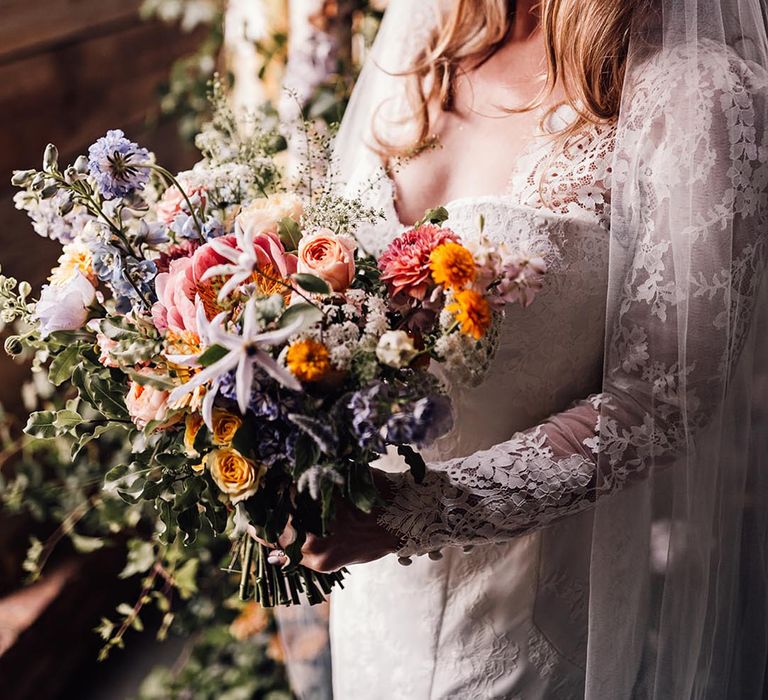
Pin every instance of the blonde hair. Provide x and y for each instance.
(587, 47)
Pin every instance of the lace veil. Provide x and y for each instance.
(678, 606)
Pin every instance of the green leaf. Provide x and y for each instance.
(311, 283)
(361, 489)
(290, 234)
(309, 314)
(213, 354)
(306, 453)
(435, 216)
(67, 421)
(64, 364)
(326, 504)
(107, 396)
(155, 381)
(86, 545)
(116, 473)
(41, 424)
(185, 578)
(415, 461)
(97, 432)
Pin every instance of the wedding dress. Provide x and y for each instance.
(587, 521)
(499, 621)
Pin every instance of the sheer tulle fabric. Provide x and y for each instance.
(671, 456)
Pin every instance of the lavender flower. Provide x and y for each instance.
(116, 165)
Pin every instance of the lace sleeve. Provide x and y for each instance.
(684, 274)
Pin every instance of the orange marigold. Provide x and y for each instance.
(472, 312)
(308, 360)
(452, 265)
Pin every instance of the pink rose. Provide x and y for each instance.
(405, 264)
(172, 202)
(175, 307)
(330, 257)
(145, 403)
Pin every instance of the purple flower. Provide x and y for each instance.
(368, 408)
(116, 165)
(420, 423)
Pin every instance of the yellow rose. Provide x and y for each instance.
(225, 425)
(235, 475)
(192, 425)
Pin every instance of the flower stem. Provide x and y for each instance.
(168, 175)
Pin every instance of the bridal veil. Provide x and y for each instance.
(678, 584)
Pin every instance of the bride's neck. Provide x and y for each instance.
(527, 19)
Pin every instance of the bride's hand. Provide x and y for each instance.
(357, 538)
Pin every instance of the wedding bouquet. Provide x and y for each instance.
(257, 359)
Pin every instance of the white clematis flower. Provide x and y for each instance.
(244, 353)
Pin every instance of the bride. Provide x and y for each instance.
(595, 525)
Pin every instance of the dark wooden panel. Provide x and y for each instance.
(74, 93)
(28, 25)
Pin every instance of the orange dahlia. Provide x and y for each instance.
(452, 265)
(308, 360)
(472, 312)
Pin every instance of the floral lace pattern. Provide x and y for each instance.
(655, 390)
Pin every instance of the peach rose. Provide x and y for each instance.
(328, 256)
(172, 202)
(146, 404)
(264, 215)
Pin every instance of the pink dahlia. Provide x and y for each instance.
(405, 263)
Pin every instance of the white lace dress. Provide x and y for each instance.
(501, 620)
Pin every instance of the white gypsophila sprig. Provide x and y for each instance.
(245, 351)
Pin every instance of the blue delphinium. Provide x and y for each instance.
(263, 401)
(132, 284)
(115, 163)
(421, 422)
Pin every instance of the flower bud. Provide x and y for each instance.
(81, 165)
(48, 191)
(21, 178)
(51, 157)
(24, 289)
(13, 345)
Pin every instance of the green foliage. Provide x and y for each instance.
(219, 667)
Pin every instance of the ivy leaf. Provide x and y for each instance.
(311, 283)
(213, 354)
(415, 461)
(64, 364)
(290, 234)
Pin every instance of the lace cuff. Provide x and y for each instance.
(497, 494)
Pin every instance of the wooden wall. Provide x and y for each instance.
(70, 70)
